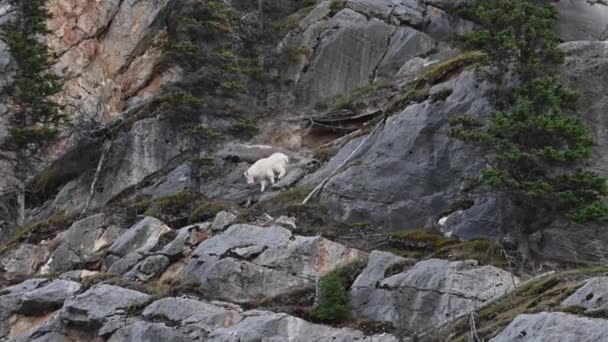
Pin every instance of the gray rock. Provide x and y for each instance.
(585, 49)
(139, 151)
(593, 296)
(398, 12)
(286, 222)
(124, 264)
(410, 170)
(180, 179)
(148, 268)
(442, 26)
(269, 326)
(209, 316)
(428, 294)
(114, 323)
(48, 297)
(186, 237)
(553, 327)
(329, 73)
(248, 153)
(141, 237)
(405, 44)
(10, 298)
(247, 262)
(148, 332)
(85, 241)
(25, 259)
(222, 220)
(485, 219)
(96, 305)
(582, 20)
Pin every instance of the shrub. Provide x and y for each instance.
(344, 102)
(231, 87)
(246, 129)
(535, 146)
(334, 304)
(324, 154)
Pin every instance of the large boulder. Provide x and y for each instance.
(410, 171)
(583, 20)
(10, 298)
(246, 263)
(140, 149)
(427, 294)
(142, 237)
(209, 316)
(25, 259)
(48, 297)
(591, 297)
(345, 58)
(270, 326)
(554, 327)
(96, 305)
(148, 332)
(84, 242)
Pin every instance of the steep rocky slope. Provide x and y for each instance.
(143, 228)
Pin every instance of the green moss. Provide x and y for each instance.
(246, 129)
(182, 47)
(178, 97)
(292, 54)
(441, 71)
(286, 198)
(206, 210)
(40, 230)
(334, 304)
(336, 6)
(171, 205)
(421, 239)
(543, 294)
(573, 309)
(230, 87)
(141, 206)
(344, 102)
(202, 133)
(485, 251)
(324, 154)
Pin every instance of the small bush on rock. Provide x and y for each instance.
(334, 304)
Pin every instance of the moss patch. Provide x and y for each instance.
(421, 244)
(206, 210)
(544, 294)
(40, 230)
(442, 71)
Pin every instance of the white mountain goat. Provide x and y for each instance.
(265, 169)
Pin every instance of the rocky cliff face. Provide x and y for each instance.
(145, 229)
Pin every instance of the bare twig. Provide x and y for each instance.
(106, 147)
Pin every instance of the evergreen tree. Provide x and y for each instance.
(34, 117)
(536, 143)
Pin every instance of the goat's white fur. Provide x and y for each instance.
(265, 169)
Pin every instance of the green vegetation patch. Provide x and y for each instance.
(38, 231)
(206, 210)
(425, 244)
(542, 294)
(334, 304)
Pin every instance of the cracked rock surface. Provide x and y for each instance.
(427, 294)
